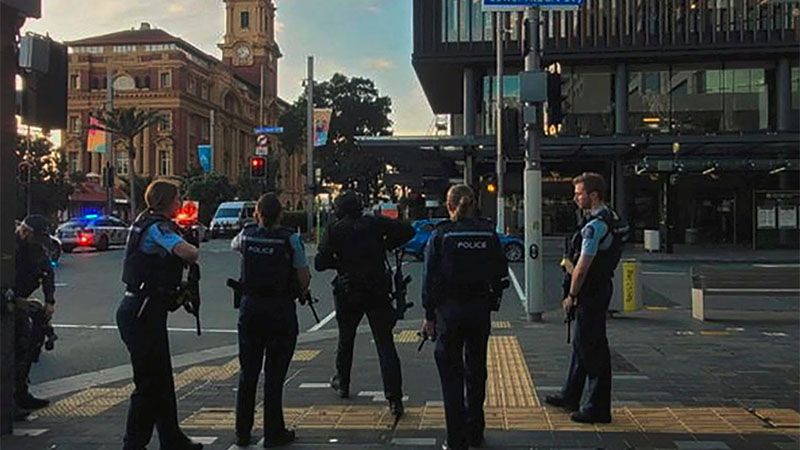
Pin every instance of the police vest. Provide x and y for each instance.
(605, 261)
(361, 252)
(144, 272)
(267, 269)
(466, 247)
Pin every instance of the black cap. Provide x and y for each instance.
(348, 203)
(36, 222)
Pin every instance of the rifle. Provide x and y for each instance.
(425, 338)
(191, 294)
(236, 286)
(308, 299)
(400, 282)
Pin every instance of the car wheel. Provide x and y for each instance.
(514, 252)
(102, 244)
(67, 248)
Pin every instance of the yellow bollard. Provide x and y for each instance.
(631, 286)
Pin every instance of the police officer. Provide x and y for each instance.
(356, 245)
(155, 256)
(274, 273)
(595, 252)
(465, 272)
(33, 270)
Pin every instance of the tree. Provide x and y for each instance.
(49, 188)
(210, 189)
(128, 123)
(358, 110)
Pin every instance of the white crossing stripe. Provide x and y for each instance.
(31, 432)
(314, 385)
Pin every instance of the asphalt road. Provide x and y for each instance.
(89, 289)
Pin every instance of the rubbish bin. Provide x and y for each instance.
(652, 240)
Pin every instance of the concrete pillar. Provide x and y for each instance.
(621, 99)
(784, 95)
(619, 189)
(147, 154)
(469, 123)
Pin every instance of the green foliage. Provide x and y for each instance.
(248, 189)
(139, 187)
(49, 187)
(358, 110)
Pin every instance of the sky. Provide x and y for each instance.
(365, 38)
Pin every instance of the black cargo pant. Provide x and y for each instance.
(22, 353)
(142, 323)
(267, 337)
(350, 309)
(591, 357)
(461, 343)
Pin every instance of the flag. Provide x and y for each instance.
(322, 123)
(96, 139)
(204, 155)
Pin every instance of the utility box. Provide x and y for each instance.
(652, 240)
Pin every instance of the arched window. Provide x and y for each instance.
(95, 83)
(164, 155)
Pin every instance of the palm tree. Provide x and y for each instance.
(128, 123)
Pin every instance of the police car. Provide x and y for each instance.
(92, 231)
(512, 245)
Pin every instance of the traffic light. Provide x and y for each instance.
(554, 99)
(108, 176)
(258, 167)
(511, 133)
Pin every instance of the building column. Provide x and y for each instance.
(469, 123)
(618, 185)
(784, 95)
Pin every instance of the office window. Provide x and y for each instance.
(72, 161)
(165, 162)
(587, 107)
(166, 125)
(75, 124)
(121, 161)
(124, 48)
(165, 79)
(245, 19)
(75, 81)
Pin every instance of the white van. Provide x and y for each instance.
(231, 217)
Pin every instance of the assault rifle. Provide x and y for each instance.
(191, 294)
(400, 282)
(308, 299)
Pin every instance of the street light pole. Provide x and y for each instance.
(109, 144)
(534, 269)
(310, 146)
(500, 163)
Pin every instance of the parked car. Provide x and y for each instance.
(513, 246)
(92, 231)
(231, 217)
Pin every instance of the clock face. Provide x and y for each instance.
(243, 51)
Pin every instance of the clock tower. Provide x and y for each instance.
(249, 42)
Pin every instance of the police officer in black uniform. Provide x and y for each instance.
(356, 245)
(592, 256)
(153, 269)
(465, 273)
(274, 273)
(33, 270)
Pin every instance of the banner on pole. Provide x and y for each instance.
(322, 123)
(205, 154)
(95, 139)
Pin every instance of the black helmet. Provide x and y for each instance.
(348, 203)
(37, 223)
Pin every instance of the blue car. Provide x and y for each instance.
(512, 245)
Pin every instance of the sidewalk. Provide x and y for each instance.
(678, 384)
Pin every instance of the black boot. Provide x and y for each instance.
(341, 390)
(396, 407)
(282, 438)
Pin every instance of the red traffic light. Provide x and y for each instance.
(258, 167)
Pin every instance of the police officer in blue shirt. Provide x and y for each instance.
(465, 272)
(155, 256)
(274, 273)
(594, 254)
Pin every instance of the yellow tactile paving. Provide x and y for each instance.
(501, 324)
(406, 337)
(305, 355)
(224, 371)
(509, 383)
(783, 418)
(88, 403)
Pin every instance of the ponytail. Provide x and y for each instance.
(460, 202)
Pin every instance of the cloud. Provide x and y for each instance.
(379, 64)
(373, 9)
(279, 26)
(176, 8)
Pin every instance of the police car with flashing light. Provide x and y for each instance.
(92, 231)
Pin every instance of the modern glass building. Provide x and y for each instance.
(689, 107)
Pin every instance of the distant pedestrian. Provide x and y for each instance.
(274, 273)
(592, 256)
(152, 272)
(465, 273)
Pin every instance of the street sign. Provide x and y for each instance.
(268, 130)
(262, 151)
(521, 5)
(262, 140)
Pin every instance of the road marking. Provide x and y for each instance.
(664, 273)
(322, 322)
(775, 265)
(205, 440)
(60, 284)
(701, 445)
(314, 385)
(424, 442)
(31, 432)
(171, 329)
(520, 292)
(774, 334)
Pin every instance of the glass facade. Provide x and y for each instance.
(465, 21)
(794, 118)
(489, 107)
(587, 106)
(699, 99)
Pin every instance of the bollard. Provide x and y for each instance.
(631, 285)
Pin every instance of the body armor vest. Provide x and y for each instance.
(267, 269)
(605, 261)
(144, 272)
(466, 247)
